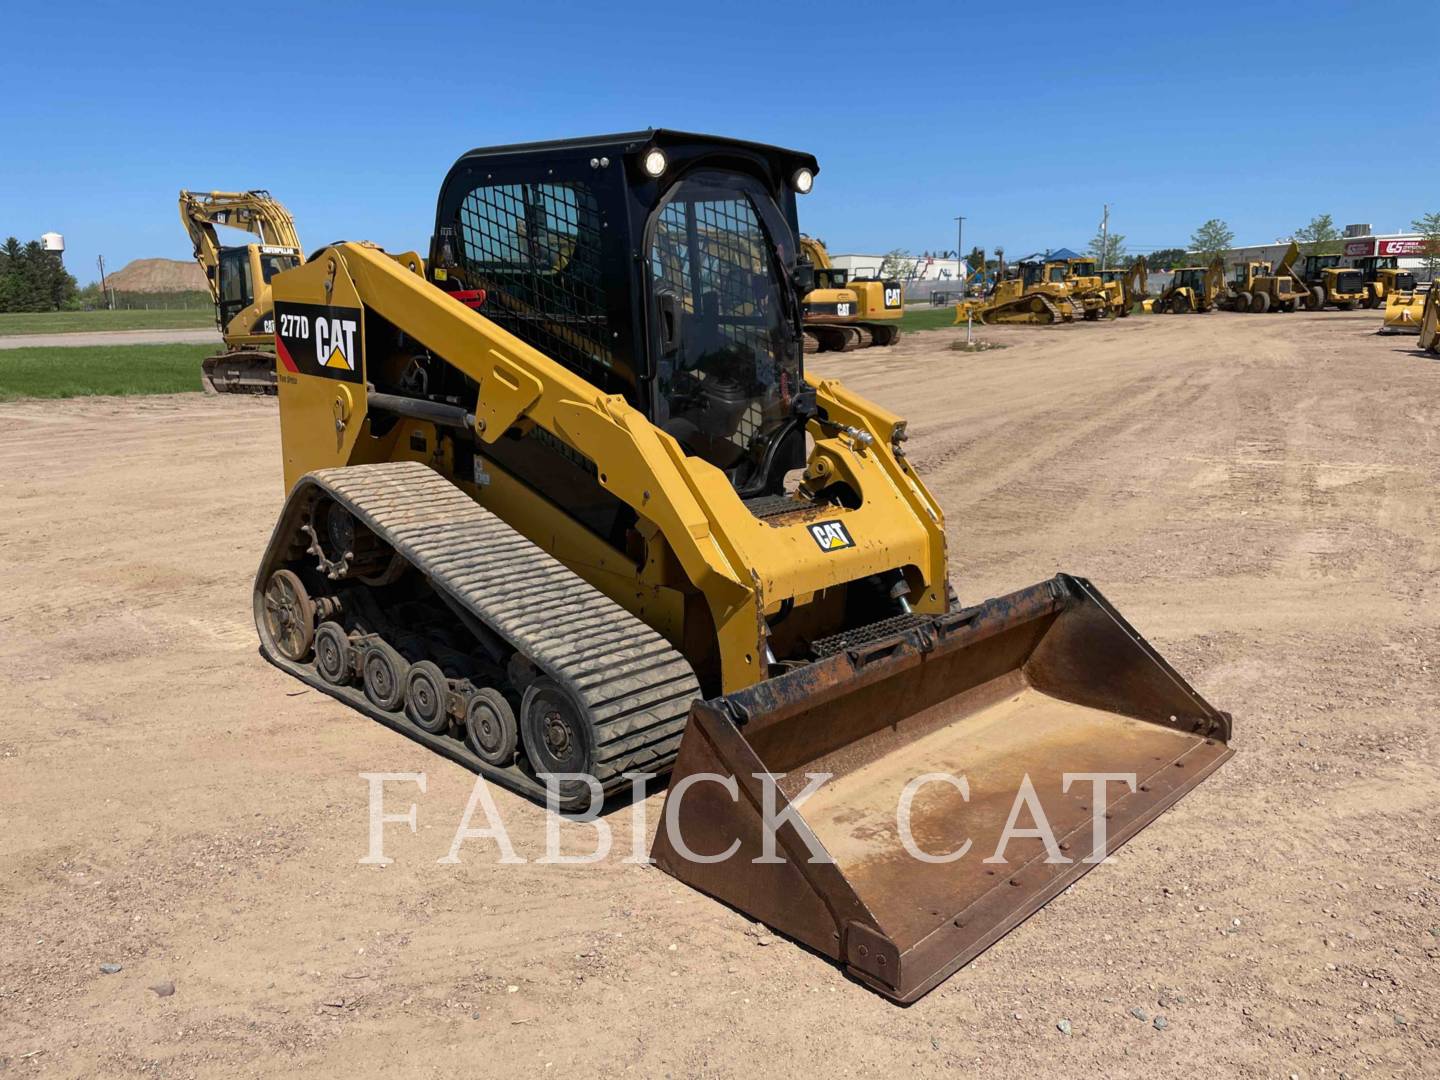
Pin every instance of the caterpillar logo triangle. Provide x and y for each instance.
(831, 535)
(337, 360)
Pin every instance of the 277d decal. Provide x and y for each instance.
(315, 339)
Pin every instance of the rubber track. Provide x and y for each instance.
(635, 686)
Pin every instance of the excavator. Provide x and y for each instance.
(844, 313)
(1034, 293)
(239, 279)
(565, 506)
(1192, 289)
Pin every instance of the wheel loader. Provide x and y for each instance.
(1258, 288)
(239, 279)
(1035, 294)
(844, 313)
(1194, 289)
(565, 506)
(1383, 277)
(1333, 285)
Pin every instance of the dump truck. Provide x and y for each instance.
(565, 507)
(1192, 289)
(1383, 277)
(843, 312)
(1332, 285)
(1256, 287)
(1033, 293)
(239, 276)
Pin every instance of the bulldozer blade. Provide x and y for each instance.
(945, 746)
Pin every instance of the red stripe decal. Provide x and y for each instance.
(284, 355)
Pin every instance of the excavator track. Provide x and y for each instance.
(544, 634)
(239, 371)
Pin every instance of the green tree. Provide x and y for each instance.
(1108, 251)
(898, 263)
(1167, 258)
(1211, 239)
(32, 279)
(1429, 229)
(1320, 237)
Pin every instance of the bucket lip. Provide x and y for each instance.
(963, 935)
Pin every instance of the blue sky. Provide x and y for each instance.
(352, 112)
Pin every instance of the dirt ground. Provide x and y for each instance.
(1257, 494)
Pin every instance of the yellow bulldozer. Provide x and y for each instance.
(565, 506)
(1096, 297)
(1033, 293)
(239, 279)
(1258, 288)
(842, 313)
(1192, 289)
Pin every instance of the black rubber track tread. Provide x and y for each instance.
(635, 686)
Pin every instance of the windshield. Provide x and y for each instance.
(1192, 279)
(728, 364)
(1056, 273)
(1082, 269)
(270, 265)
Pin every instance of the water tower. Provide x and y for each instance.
(53, 241)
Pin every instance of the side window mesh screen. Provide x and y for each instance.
(535, 250)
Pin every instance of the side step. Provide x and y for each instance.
(636, 687)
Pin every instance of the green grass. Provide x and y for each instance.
(66, 322)
(927, 318)
(100, 369)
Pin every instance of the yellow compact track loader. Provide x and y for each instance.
(1036, 294)
(239, 279)
(842, 312)
(563, 503)
(1192, 289)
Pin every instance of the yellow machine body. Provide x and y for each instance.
(843, 312)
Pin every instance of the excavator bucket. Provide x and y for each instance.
(1403, 312)
(945, 747)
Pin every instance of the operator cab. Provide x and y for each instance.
(240, 267)
(659, 265)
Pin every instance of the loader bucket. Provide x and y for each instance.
(1403, 313)
(1042, 683)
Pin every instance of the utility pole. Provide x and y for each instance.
(1105, 239)
(959, 247)
(105, 292)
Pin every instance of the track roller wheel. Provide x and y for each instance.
(289, 615)
(558, 739)
(491, 731)
(332, 654)
(425, 686)
(384, 671)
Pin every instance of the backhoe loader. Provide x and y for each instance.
(843, 312)
(239, 279)
(1257, 288)
(565, 506)
(1331, 284)
(1128, 287)
(1192, 289)
(1032, 295)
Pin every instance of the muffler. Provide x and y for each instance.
(974, 766)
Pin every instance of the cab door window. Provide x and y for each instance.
(236, 291)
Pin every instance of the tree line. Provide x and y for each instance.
(33, 279)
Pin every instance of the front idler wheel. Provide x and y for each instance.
(557, 737)
(383, 671)
(425, 687)
(491, 731)
(289, 615)
(332, 654)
